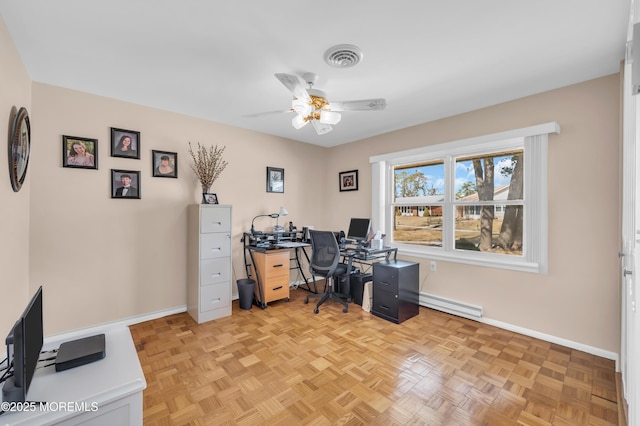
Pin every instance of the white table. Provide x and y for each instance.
(104, 392)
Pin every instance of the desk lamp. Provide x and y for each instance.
(283, 212)
(277, 228)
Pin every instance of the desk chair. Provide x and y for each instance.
(325, 261)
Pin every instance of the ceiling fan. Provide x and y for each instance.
(312, 105)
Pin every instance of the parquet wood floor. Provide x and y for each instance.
(285, 365)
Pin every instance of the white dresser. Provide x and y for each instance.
(102, 393)
(209, 262)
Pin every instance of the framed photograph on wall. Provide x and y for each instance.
(125, 143)
(209, 198)
(348, 180)
(275, 179)
(125, 184)
(165, 164)
(79, 153)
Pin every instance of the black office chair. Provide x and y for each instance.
(325, 261)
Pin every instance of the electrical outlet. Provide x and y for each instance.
(432, 266)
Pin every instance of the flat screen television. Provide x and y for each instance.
(359, 229)
(24, 343)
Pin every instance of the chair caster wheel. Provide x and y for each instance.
(345, 310)
(349, 300)
(316, 310)
(306, 300)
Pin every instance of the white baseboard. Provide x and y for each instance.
(554, 339)
(475, 313)
(100, 328)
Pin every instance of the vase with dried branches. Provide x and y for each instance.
(207, 164)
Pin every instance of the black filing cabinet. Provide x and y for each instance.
(395, 290)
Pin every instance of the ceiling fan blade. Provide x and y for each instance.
(362, 105)
(263, 114)
(293, 83)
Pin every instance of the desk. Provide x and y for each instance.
(264, 264)
(364, 257)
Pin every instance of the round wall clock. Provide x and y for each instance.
(19, 146)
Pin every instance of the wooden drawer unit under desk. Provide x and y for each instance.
(273, 275)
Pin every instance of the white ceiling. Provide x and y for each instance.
(216, 60)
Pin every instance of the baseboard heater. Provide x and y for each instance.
(450, 306)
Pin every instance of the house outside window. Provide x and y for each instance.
(480, 201)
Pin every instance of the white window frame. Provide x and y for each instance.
(533, 139)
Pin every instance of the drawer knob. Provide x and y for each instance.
(279, 265)
(277, 288)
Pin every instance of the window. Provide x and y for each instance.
(480, 201)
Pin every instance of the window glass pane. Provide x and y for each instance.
(423, 182)
(420, 225)
(489, 228)
(495, 176)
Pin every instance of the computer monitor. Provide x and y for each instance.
(24, 343)
(359, 229)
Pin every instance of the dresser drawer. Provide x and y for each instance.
(215, 245)
(274, 289)
(215, 219)
(383, 285)
(215, 296)
(383, 273)
(385, 304)
(214, 271)
(276, 264)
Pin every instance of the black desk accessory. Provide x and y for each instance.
(80, 352)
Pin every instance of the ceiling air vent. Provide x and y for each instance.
(343, 56)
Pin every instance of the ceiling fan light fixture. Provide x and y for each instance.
(302, 107)
(343, 56)
(299, 122)
(330, 117)
(321, 128)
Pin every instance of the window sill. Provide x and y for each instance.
(472, 258)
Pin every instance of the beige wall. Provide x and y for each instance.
(579, 299)
(15, 92)
(103, 259)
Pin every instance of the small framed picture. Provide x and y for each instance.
(165, 164)
(209, 198)
(125, 184)
(79, 153)
(275, 179)
(348, 180)
(125, 143)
